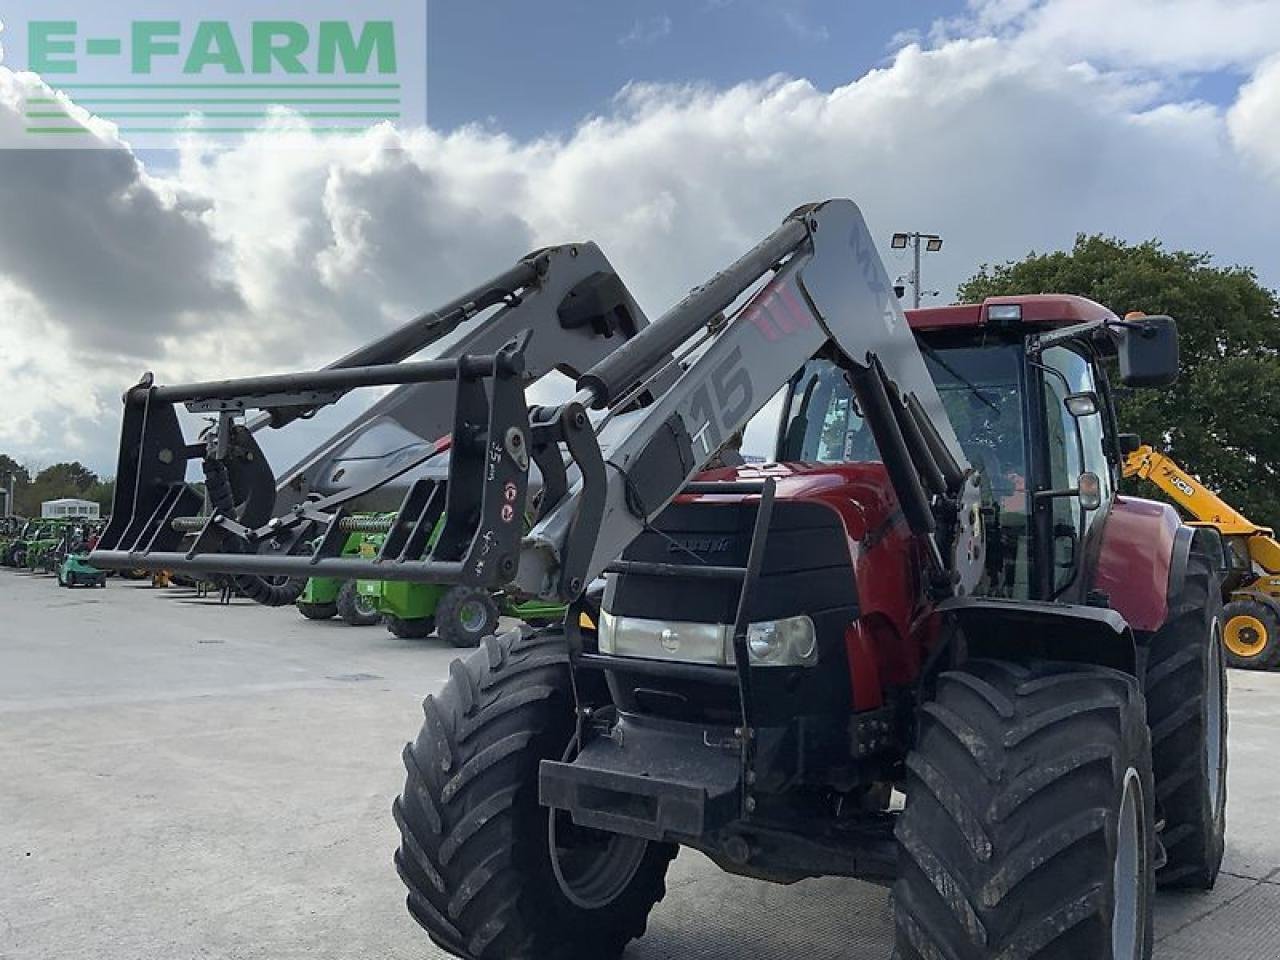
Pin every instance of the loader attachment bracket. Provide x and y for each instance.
(481, 505)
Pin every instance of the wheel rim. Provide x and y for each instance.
(1245, 635)
(1128, 872)
(592, 867)
(1213, 735)
(473, 616)
(365, 605)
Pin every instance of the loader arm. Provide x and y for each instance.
(814, 286)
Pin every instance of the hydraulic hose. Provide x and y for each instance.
(256, 588)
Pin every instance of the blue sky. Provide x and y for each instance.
(509, 63)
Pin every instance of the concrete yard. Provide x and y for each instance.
(184, 780)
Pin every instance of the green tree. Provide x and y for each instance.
(71, 479)
(21, 480)
(1219, 420)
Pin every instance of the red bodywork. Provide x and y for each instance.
(1137, 554)
(1038, 310)
(886, 646)
(887, 643)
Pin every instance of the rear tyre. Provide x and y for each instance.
(1029, 828)
(318, 611)
(1186, 688)
(418, 629)
(1251, 634)
(355, 609)
(476, 847)
(466, 615)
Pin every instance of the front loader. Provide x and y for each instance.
(935, 592)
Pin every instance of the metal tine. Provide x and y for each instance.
(420, 537)
(162, 516)
(331, 542)
(411, 507)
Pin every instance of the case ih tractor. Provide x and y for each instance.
(930, 647)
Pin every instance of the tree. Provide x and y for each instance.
(72, 479)
(1218, 420)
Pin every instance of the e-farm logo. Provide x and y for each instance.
(158, 72)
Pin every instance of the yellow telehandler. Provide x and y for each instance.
(1251, 632)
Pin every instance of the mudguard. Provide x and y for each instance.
(1037, 630)
(1142, 560)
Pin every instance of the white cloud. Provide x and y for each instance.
(258, 257)
(1254, 120)
(646, 31)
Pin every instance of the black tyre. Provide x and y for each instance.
(493, 875)
(1186, 688)
(466, 615)
(418, 629)
(318, 611)
(1251, 634)
(355, 609)
(1029, 826)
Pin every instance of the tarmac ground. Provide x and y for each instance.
(180, 779)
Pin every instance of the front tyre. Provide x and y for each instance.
(318, 611)
(1186, 689)
(1029, 827)
(418, 629)
(356, 609)
(466, 615)
(477, 848)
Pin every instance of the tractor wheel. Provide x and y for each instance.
(1029, 827)
(1251, 634)
(466, 615)
(418, 629)
(318, 611)
(1186, 690)
(355, 609)
(491, 873)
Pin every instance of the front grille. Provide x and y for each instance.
(806, 570)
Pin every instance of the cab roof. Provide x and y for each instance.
(1034, 309)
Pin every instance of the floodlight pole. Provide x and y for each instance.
(914, 237)
(915, 271)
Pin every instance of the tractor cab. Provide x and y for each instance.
(1026, 384)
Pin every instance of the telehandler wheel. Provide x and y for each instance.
(476, 847)
(1029, 827)
(355, 609)
(318, 611)
(1186, 689)
(1251, 634)
(465, 616)
(418, 629)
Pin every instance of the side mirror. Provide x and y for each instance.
(1089, 491)
(1129, 443)
(1082, 404)
(1148, 350)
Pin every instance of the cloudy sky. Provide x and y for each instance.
(674, 134)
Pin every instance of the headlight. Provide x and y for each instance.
(792, 642)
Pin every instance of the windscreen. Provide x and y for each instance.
(981, 391)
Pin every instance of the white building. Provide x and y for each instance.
(57, 509)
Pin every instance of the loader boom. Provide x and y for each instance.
(815, 286)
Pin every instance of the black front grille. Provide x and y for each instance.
(806, 564)
(806, 570)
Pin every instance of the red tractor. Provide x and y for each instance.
(931, 646)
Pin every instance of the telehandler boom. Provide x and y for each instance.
(1252, 629)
